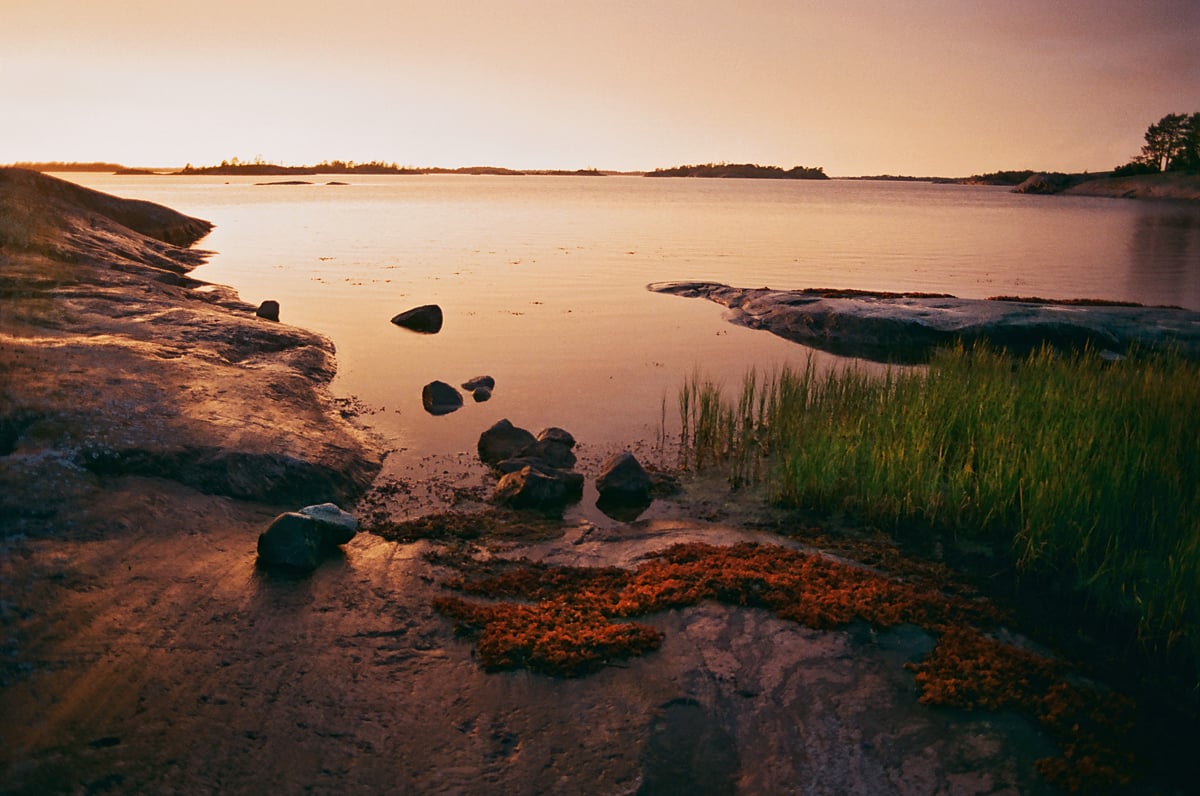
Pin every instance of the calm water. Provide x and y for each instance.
(542, 279)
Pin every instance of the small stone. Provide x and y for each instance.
(481, 394)
(268, 310)
(487, 382)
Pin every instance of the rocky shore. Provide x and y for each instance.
(151, 426)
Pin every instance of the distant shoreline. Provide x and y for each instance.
(1167, 185)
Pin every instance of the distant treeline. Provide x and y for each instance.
(54, 165)
(1000, 177)
(742, 170)
(258, 169)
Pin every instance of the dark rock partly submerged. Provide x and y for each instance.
(426, 319)
(907, 327)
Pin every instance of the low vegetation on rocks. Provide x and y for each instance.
(569, 621)
(1077, 469)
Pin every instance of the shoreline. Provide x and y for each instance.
(146, 652)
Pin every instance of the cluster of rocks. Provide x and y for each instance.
(440, 398)
(537, 472)
(298, 541)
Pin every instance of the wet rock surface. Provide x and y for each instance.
(117, 361)
(199, 672)
(894, 327)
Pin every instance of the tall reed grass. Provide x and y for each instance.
(1088, 470)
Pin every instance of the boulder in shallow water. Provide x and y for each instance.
(622, 479)
(547, 490)
(269, 310)
(439, 398)
(503, 441)
(426, 319)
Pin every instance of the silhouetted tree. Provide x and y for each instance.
(1173, 142)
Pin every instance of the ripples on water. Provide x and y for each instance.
(542, 279)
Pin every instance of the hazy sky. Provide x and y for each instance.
(930, 87)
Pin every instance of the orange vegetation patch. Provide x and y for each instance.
(569, 621)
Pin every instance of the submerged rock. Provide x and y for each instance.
(269, 310)
(426, 319)
(439, 398)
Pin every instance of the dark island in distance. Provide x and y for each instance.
(259, 168)
(751, 171)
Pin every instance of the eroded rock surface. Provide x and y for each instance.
(116, 361)
(906, 327)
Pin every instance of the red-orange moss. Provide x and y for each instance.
(968, 669)
(569, 623)
(556, 637)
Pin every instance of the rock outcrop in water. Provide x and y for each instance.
(907, 327)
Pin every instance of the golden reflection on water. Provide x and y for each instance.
(542, 279)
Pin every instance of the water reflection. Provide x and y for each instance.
(1164, 254)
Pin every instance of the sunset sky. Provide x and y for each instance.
(932, 87)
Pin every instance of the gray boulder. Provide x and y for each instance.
(503, 441)
(439, 398)
(426, 319)
(622, 479)
(268, 310)
(292, 542)
(337, 526)
(546, 490)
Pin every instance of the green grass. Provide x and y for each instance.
(1087, 470)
